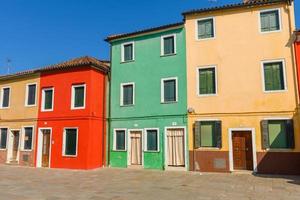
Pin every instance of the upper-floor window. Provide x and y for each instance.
(205, 28)
(47, 99)
(168, 45)
(270, 20)
(70, 140)
(3, 138)
(127, 94)
(30, 95)
(169, 90)
(28, 133)
(78, 96)
(274, 76)
(278, 134)
(127, 52)
(208, 134)
(5, 97)
(207, 82)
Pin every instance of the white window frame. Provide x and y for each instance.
(64, 142)
(7, 136)
(259, 21)
(23, 137)
(27, 93)
(122, 92)
(115, 139)
(198, 80)
(162, 44)
(1, 97)
(146, 140)
(123, 52)
(43, 99)
(196, 28)
(284, 75)
(162, 89)
(73, 97)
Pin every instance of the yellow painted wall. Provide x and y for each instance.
(237, 51)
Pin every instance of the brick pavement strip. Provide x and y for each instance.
(20, 183)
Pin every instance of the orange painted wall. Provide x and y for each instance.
(297, 50)
(89, 121)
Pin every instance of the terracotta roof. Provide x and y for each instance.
(236, 5)
(77, 62)
(149, 30)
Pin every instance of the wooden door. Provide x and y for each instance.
(16, 135)
(46, 148)
(175, 147)
(136, 148)
(242, 150)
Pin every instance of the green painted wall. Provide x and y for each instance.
(146, 72)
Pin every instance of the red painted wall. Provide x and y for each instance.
(297, 47)
(89, 121)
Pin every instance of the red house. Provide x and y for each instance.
(297, 50)
(71, 130)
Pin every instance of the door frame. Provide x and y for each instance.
(129, 145)
(40, 147)
(252, 130)
(185, 168)
(10, 145)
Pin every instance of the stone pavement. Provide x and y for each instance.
(19, 183)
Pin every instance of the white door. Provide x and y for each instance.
(175, 148)
(136, 148)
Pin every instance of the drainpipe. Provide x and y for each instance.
(109, 111)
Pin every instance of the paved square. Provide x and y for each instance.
(125, 184)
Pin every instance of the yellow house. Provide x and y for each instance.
(18, 117)
(242, 88)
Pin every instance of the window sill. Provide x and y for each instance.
(170, 102)
(208, 148)
(279, 150)
(151, 151)
(119, 150)
(205, 39)
(128, 61)
(78, 108)
(4, 108)
(275, 91)
(26, 150)
(266, 32)
(168, 55)
(207, 95)
(47, 110)
(3, 149)
(124, 106)
(69, 156)
(30, 106)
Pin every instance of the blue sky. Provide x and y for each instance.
(35, 33)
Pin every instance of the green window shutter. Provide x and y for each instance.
(70, 142)
(270, 21)
(152, 143)
(128, 95)
(120, 140)
(169, 45)
(207, 81)
(277, 134)
(290, 134)
(265, 134)
(205, 29)
(274, 76)
(201, 30)
(218, 132)
(170, 90)
(268, 75)
(274, 21)
(197, 135)
(79, 96)
(3, 138)
(48, 99)
(264, 19)
(28, 138)
(128, 52)
(208, 138)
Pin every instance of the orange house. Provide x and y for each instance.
(71, 116)
(297, 50)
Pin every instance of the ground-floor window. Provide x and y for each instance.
(208, 134)
(119, 140)
(278, 134)
(28, 132)
(3, 138)
(152, 138)
(70, 142)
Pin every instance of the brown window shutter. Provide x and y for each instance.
(290, 134)
(265, 134)
(219, 134)
(197, 135)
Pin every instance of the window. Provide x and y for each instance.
(168, 46)
(31, 95)
(278, 134)
(274, 76)
(78, 96)
(5, 98)
(169, 90)
(128, 52)
(3, 138)
(205, 28)
(207, 81)
(152, 141)
(127, 94)
(47, 99)
(120, 140)
(208, 134)
(270, 20)
(70, 142)
(28, 132)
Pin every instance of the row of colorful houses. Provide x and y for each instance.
(217, 92)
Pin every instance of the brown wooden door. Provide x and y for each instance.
(136, 147)
(242, 150)
(46, 148)
(16, 135)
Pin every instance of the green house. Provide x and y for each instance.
(148, 99)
